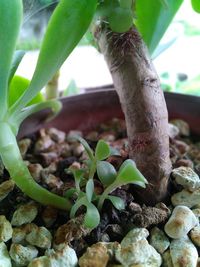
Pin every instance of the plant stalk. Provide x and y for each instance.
(144, 107)
(20, 174)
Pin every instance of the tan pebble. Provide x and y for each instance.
(56, 135)
(77, 149)
(43, 144)
(65, 150)
(5, 188)
(96, 255)
(107, 137)
(24, 145)
(48, 157)
(35, 170)
(5, 229)
(73, 229)
(49, 215)
(52, 181)
(43, 261)
(173, 130)
(195, 235)
(183, 126)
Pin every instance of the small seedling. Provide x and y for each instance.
(109, 177)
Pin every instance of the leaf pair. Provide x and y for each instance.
(127, 174)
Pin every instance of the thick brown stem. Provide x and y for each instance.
(143, 103)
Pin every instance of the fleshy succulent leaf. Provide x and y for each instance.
(89, 189)
(80, 201)
(102, 150)
(126, 162)
(129, 173)
(11, 13)
(106, 172)
(117, 202)
(92, 217)
(70, 192)
(17, 58)
(65, 29)
(153, 19)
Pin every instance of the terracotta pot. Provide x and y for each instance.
(87, 111)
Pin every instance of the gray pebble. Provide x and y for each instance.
(186, 198)
(181, 221)
(186, 177)
(24, 214)
(159, 240)
(22, 255)
(5, 229)
(183, 253)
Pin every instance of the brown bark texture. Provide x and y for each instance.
(143, 104)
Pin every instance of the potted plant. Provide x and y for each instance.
(134, 78)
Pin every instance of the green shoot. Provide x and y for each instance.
(108, 176)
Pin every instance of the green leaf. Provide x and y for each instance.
(126, 3)
(11, 12)
(128, 173)
(153, 19)
(117, 202)
(106, 172)
(66, 27)
(102, 150)
(89, 189)
(18, 86)
(81, 201)
(70, 192)
(196, 5)
(127, 162)
(18, 56)
(92, 217)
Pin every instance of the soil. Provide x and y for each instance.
(50, 152)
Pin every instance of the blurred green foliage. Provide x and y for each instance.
(180, 83)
